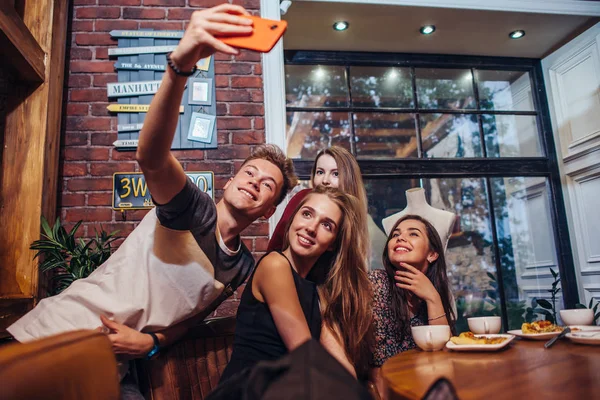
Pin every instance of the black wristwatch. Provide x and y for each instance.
(155, 349)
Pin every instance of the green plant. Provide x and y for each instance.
(71, 258)
(594, 309)
(548, 309)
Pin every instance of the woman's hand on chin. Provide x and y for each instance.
(417, 282)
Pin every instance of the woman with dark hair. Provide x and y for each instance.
(412, 290)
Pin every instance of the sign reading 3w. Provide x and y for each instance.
(130, 191)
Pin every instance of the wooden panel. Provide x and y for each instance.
(19, 47)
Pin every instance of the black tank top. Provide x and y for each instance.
(256, 336)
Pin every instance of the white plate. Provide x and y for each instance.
(481, 347)
(585, 335)
(533, 336)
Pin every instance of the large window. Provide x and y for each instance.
(474, 133)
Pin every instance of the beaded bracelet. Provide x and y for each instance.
(433, 319)
(177, 70)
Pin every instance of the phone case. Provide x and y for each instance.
(265, 35)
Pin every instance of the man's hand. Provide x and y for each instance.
(126, 342)
(199, 38)
(417, 282)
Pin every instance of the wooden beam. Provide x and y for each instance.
(18, 46)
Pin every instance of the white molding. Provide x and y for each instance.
(274, 95)
(564, 7)
(590, 262)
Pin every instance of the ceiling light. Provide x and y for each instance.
(427, 29)
(516, 34)
(340, 26)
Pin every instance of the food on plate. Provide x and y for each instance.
(470, 338)
(540, 327)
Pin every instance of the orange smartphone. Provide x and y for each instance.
(265, 35)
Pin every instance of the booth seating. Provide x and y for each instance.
(191, 368)
(71, 366)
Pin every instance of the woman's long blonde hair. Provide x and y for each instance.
(345, 294)
(351, 182)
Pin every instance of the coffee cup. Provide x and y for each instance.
(484, 325)
(431, 337)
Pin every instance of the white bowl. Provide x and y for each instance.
(484, 325)
(577, 316)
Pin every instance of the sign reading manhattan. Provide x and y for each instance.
(131, 192)
(132, 88)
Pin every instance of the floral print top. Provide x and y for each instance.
(389, 339)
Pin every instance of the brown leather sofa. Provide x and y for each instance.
(191, 368)
(74, 365)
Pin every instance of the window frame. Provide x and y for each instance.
(478, 167)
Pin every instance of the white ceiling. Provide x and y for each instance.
(391, 28)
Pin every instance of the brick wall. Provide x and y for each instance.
(88, 159)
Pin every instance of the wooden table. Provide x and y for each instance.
(522, 370)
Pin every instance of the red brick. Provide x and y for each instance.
(188, 154)
(93, 39)
(246, 109)
(103, 138)
(233, 95)
(102, 80)
(261, 244)
(102, 53)
(83, 2)
(117, 155)
(223, 137)
(183, 14)
(88, 95)
(88, 214)
(79, 81)
(223, 57)
(221, 109)
(249, 242)
(78, 53)
(233, 68)
(257, 69)
(71, 200)
(100, 110)
(246, 82)
(109, 25)
(228, 153)
(257, 229)
(86, 153)
(248, 137)
(258, 123)
(206, 3)
(161, 25)
(217, 168)
(82, 26)
(76, 138)
(248, 4)
(108, 169)
(99, 199)
(123, 228)
(91, 66)
(74, 169)
(222, 81)
(120, 2)
(257, 96)
(247, 55)
(233, 123)
(89, 184)
(97, 12)
(143, 13)
(88, 124)
(131, 215)
(167, 3)
(77, 109)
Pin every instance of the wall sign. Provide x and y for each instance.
(130, 191)
(140, 65)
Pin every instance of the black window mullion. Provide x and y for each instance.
(351, 113)
(383, 110)
(479, 119)
(413, 79)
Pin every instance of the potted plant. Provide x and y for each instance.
(70, 258)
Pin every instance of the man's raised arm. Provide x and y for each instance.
(164, 174)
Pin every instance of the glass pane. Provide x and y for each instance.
(470, 255)
(504, 90)
(381, 87)
(526, 244)
(386, 197)
(309, 132)
(445, 88)
(511, 136)
(316, 86)
(385, 135)
(450, 136)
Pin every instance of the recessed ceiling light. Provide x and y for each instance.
(340, 26)
(516, 34)
(427, 29)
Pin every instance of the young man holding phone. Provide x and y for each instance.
(186, 256)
